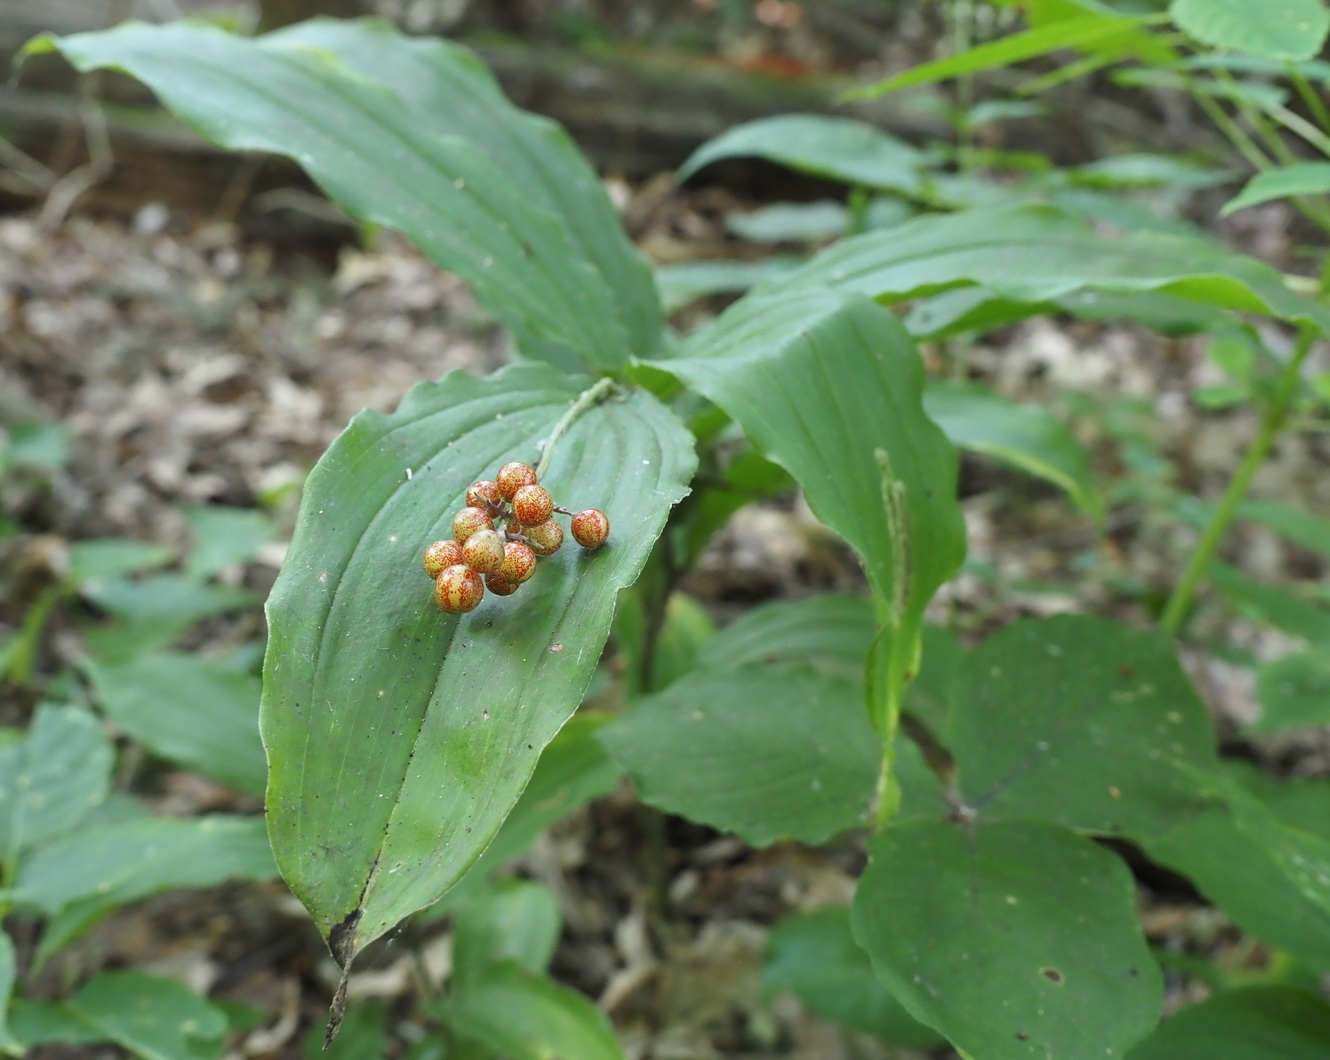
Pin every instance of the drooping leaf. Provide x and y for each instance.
(1026, 436)
(190, 710)
(1012, 940)
(1280, 607)
(1251, 1023)
(519, 1014)
(831, 632)
(814, 955)
(1274, 29)
(1300, 178)
(1302, 528)
(222, 536)
(151, 1017)
(843, 149)
(1294, 691)
(443, 718)
(51, 778)
(414, 134)
(1079, 720)
(514, 920)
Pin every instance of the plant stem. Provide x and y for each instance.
(1309, 97)
(1272, 422)
(593, 395)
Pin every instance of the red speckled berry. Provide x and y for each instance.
(458, 589)
(468, 521)
(532, 505)
(499, 585)
(482, 493)
(519, 562)
(512, 477)
(441, 554)
(483, 551)
(546, 539)
(591, 528)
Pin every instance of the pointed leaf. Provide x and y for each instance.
(400, 737)
(153, 1018)
(1280, 607)
(1013, 940)
(1273, 29)
(1301, 178)
(1252, 1023)
(414, 135)
(1310, 531)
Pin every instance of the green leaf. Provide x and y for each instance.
(687, 628)
(1028, 437)
(1279, 607)
(136, 858)
(680, 284)
(223, 536)
(1252, 1023)
(152, 1018)
(1012, 940)
(42, 1022)
(1092, 30)
(8, 970)
(831, 632)
(198, 713)
(363, 1035)
(112, 556)
(444, 717)
(842, 149)
(1035, 254)
(766, 752)
(529, 1017)
(791, 222)
(1079, 721)
(814, 956)
(1294, 692)
(51, 778)
(1301, 178)
(1310, 531)
(1275, 29)
(414, 134)
(156, 610)
(513, 920)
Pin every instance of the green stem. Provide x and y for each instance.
(593, 395)
(1309, 97)
(1272, 422)
(1226, 125)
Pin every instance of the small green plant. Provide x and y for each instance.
(404, 749)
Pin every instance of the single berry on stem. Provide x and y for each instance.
(545, 539)
(484, 493)
(483, 551)
(441, 554)
(468, 521)
(512, 477)
(591, 528)
(532, 505)
(458, 589)
(519, 562)
(499, 585)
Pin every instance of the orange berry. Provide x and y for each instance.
(519, 562)
(458, 589)
(532, 505)
(512, 477)
(499, 585)
(546, 539)
(441, 554)
(482, 493)
(468, 521)
(483, 551)
(591, 528)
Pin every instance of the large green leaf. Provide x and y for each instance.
(152, 1018)
(1079, 720)
(814, 956)
(1032, 254)
(1272, 29)
(1013, 940)
(835, 148)
(414, 134)
(831, 632)
(1300, 178)
(1025, 436)
(189, 710)
(399, 737)
(51, 777)
(1294, 691)
(1253, 1023)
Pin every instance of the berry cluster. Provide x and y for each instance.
(506, 559)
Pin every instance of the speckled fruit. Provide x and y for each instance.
(499, 585)
(468, 521)
(591, 528)
(441, 554)
(532, 505)
(458, 589)
(512, 477)
(483, 551)
(519, 562)
(484, 492)
(546, 539)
